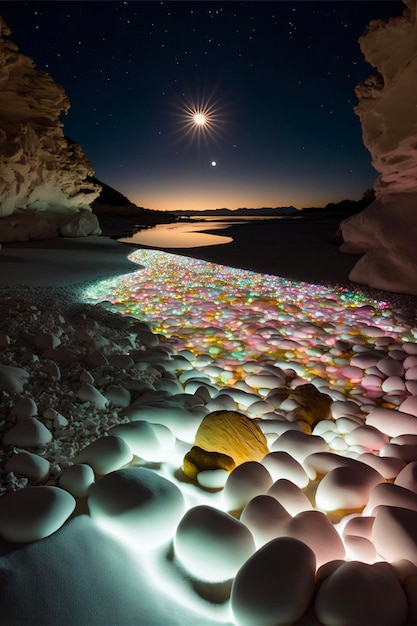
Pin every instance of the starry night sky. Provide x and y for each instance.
(277, 80)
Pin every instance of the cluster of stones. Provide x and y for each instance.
(306, 498)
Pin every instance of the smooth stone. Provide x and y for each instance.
(345, 425)
(299, 445)
(359, 593)
(28, 464)
(344, 408)
(392, 422)
(142, 439)
(12, 379)
(122, 361)
(291, 497)
(360, 549)
(246, 481)
(24, 407)
(389, 494)
(182, 422)
(34, 513)
(409, 405)
(352, 373)
(275, 585)
(212, 479)
(315, 530)
(105, 454)
(312, 405)
(388, 467)
(137, 505)
(390, 367)
(88, 393)
(367, 436)
(410, 589)
(395, 533)
(118, 396)
(212, 545)
(283, 465)
(347, 487)
(77, 479)
(266, 518)
(324, 462)
(96, 358)
(394, 383)
(405, 452)
(407, 477)
(28, 433)
(364, 360)
(360, 526)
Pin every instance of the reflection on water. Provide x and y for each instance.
(180, 235)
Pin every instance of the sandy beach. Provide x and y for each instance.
(103, 389)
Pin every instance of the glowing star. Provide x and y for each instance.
(213, 163)
(199, 119)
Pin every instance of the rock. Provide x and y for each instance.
(290, 496)
(28, 464)
(212, 479)
(313, 405)
(390, 495)
(299, 445)
(77, 479)
(142, 439)
(28, 433)
(230, 434)
(105, 454)
(12, 379)
(388, 467)
(197, 461)
(315, 530)
(282, 465)
(383, 232)
(407, 477)
(360, 549)
(88, 393)
(347, 487)
(182, 422)
(42, 172)
(358, 593)
(275, 585)
(46, 340)
(394, 533)
(266, 518)
(409, 406)
(24, 407)
(34, 513)
(137, 505)
(245, 482)
(212, 545)
(367, 436)
(392, 422)
(118, 396)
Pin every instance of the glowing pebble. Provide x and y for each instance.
(28, 433)
(394, 383)
(390, 367)
(360, 526)
(266, 518)
(395, 533)
(246, 481)
(34, 513)
(212, 545)
(105, 454)
(137, 505)
(77, 479)
(315, 530)
(299, 445)
(388, 467)
(283, 465)
(344, 597)
(389, 494)
(88, 393)
(367, 436)
(407, 477)
(392, 422)
(290, 496)
(212, 479)
(409, 405)
(347, 487)
(197, 461)
(118, 396)
(360, 549)
(182, 422)
(141, 439)
(276, 585)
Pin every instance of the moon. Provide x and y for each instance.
(213, 163)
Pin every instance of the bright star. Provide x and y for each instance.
(200, 119)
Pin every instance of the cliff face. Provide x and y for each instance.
(386, 232)
(43, 187)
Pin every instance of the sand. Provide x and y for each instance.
(81, 575)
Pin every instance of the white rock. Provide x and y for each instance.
(28, 464)
(388, 467)
(315, 530)
(138, 506)
(141, 439)
(395, 533)
(182, 422)
(86, 377)
(274, 586)
(392, 422)
(390, 494)
(118, 396)
(24, 407)
(299, 445)
(46, 340)
(52, 370)
(409, 405)
(290, 496)
(359, 526)
(28, 433)
(367, 436)
(77, 479)
(212, 545)
(360, 549)
(347, 487)
(266, 518)
(34, 513)
(390, 367)
(282, 465)
(344, 596)
(88, 393)
(105, 454)
(407, 477)
(394, 383)
(246, 481)
(12, 379)
(212, 479)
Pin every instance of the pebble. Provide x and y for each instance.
(282, 465)
(266, 518)
(275, 585)
(141, 438)
(212, 545)
(394, 533)
(12, 379)
(390, 494)
(88, 393)
(299, 445)
(244, 483)
(105, 454)
(316, 530)
(28, 464)
(138, 505)
(34, 513)
(24, 407)
(28, 433)
(291, 497)
(347, 487)
(392, 422)
(77, 479)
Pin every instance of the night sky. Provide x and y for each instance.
(275, 81)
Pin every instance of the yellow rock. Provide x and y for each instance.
(314, 405)
(228, 434)
(198, 460)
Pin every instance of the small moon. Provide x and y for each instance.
(213, 164)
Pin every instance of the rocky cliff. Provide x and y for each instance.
(44, 190)
(386, 232)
